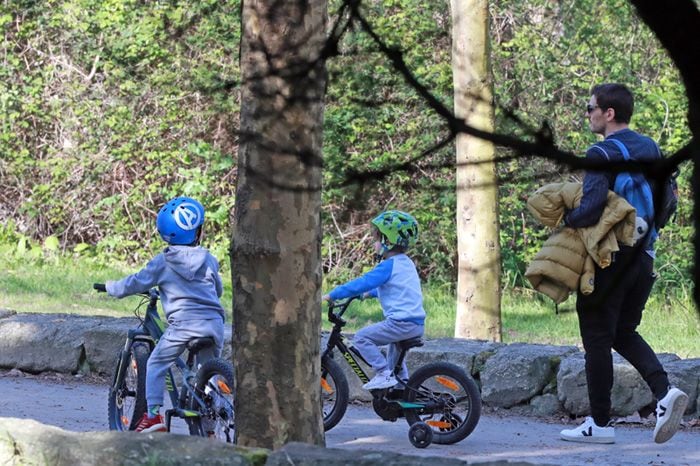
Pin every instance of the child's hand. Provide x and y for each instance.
(366, 295)
(327, 298)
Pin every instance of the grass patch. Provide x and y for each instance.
(670, 324)
(64, 285)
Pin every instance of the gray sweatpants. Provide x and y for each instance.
(387, 332)
(172, 344)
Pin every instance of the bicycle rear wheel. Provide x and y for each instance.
(334, 393)
(126, 402)
(448, 398)
(214, 386)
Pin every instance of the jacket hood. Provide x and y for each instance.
(185, 260)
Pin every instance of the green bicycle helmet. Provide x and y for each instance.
(397, 229)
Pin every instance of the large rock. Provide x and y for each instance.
(67, 343)
(518, 372)
(43, 342)
(685, 374)
(545, 405)
(572, 389)
(103, 341)
(25, 441)
(629, 394)
(470, 355)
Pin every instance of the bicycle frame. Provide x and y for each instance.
(336, 340)
(149, 332)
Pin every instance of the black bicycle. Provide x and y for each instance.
(440, 401)
(204, 398)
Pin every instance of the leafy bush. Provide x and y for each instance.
(111, 107)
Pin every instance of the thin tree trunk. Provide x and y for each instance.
(275, 251)
(478, 278)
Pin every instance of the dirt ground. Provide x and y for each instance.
(80, 404)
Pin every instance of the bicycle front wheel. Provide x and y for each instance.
(334, 393)
(126, 402)
(444, 397)
(214, 386)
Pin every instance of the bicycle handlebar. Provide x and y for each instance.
(152, 293)
(341, 304)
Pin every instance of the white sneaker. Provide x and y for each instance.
(381, 380)
(669, 413)
(589, 432)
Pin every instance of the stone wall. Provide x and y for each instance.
(538, 379)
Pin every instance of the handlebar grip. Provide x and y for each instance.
(100, 287)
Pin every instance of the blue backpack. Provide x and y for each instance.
(634, 187)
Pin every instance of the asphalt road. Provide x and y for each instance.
(81, 405)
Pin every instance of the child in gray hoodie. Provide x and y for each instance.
(187, 277)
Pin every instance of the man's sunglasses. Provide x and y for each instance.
(590, 108)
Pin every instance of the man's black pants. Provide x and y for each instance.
(608, 318)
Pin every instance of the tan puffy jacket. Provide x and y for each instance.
(565, 262)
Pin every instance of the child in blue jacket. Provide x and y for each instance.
(187, 277)
(395, 282)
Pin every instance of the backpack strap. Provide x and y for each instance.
(626, 155)
(622, 147)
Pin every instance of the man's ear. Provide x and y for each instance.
(610, 114)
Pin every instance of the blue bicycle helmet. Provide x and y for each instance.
(179, 220)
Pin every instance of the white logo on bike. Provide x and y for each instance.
(187, 216)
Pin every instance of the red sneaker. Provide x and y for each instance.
(151, 424)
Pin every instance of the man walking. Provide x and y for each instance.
(608, 317)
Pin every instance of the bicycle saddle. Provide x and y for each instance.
(410, 343)
(198, 344)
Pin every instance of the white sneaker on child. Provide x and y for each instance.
(382, 379)
(669, 413)
(589, 432)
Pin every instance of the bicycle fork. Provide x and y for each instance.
(124, 359)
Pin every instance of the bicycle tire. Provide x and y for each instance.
(126, 402)
(450, 383)
(334, 393)
(217, 418)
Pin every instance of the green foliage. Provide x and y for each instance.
(375, 121)
(547, 56)
(111, 107)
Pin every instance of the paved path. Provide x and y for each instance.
(78, 406)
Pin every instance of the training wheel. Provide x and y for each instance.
(420, 435)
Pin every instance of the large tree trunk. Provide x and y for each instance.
(478, 279)
(275, 252)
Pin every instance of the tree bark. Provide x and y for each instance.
(275, 251)
(478, 277)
